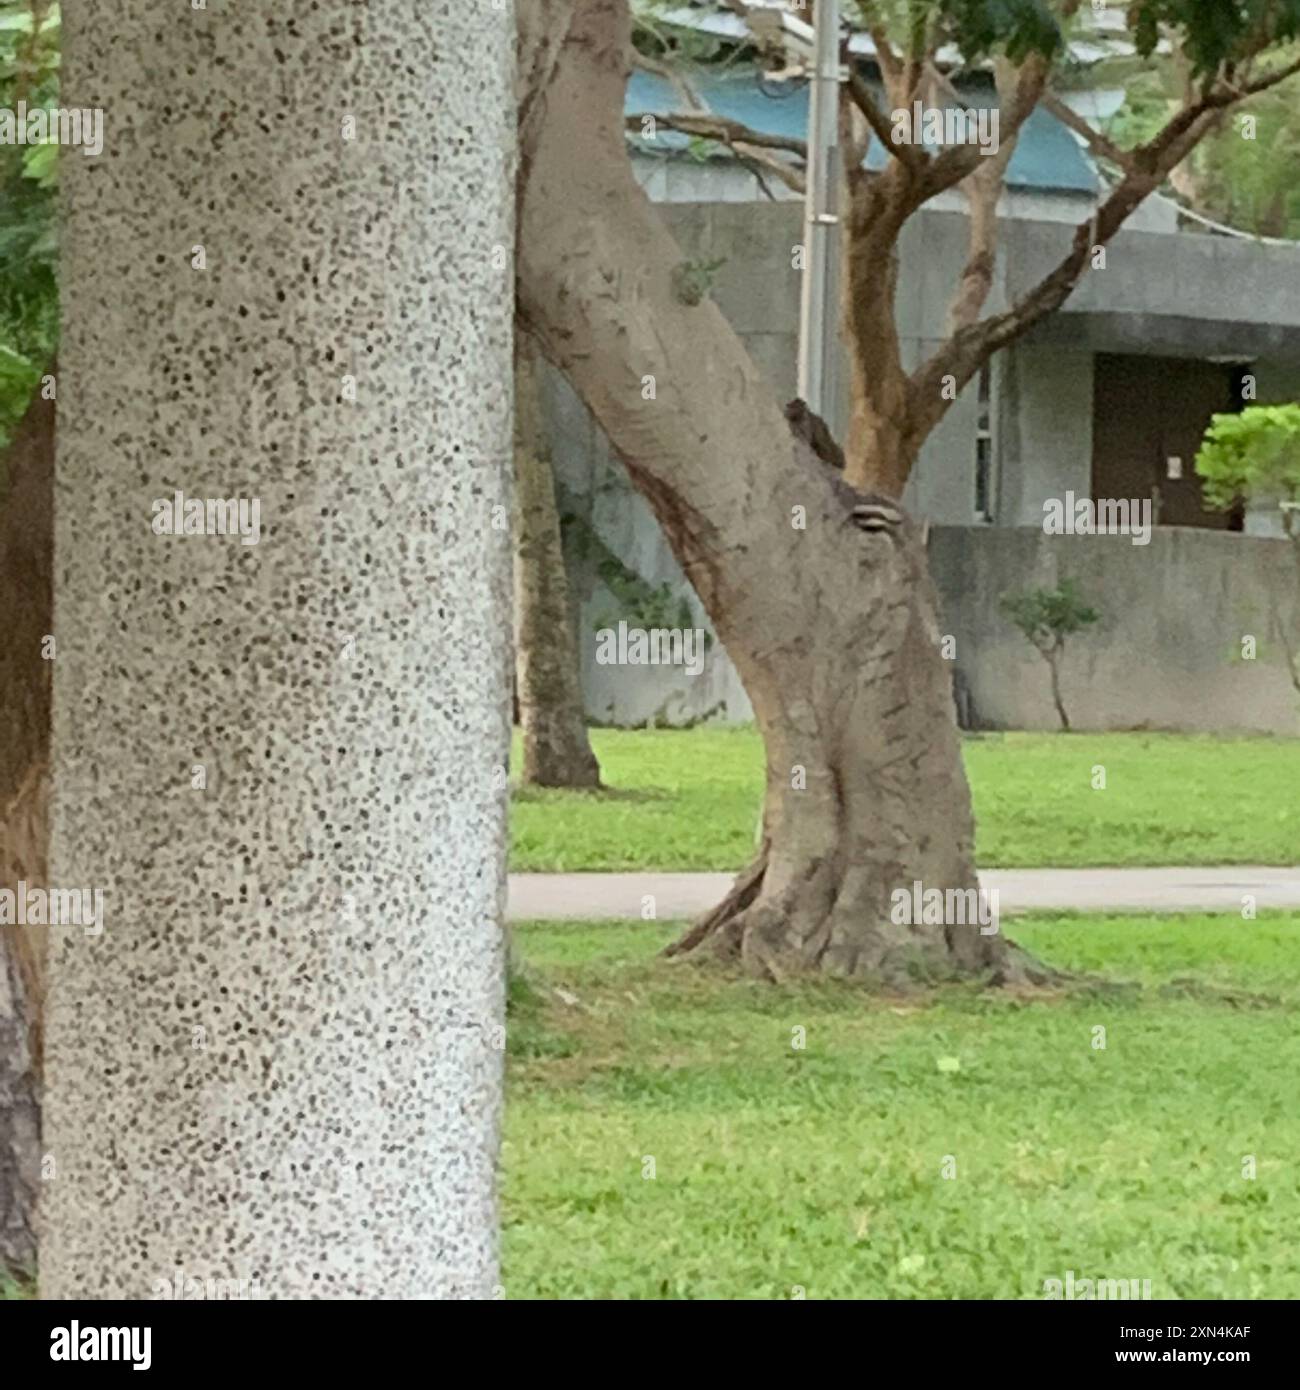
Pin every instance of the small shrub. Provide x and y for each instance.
(1255, 456)
(1046, 617)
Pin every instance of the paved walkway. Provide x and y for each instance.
(1019, 890)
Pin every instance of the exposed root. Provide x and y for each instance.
(1019, 970)
(799, 932)
(743, 892)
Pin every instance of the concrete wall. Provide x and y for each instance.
(598, 501)
(1167, 652)
(1039, 389)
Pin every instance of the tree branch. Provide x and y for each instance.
(959, 161)
(1220, 97)
(1098, 143)
(725, 132)
(971, 346)
(920, 51)
(983, 191)
(915, 156)
(891, 66)
(854, 138)
(669, 74)
(1271, 79)
(760, 161)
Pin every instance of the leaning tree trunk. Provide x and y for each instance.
(557, 749)
(26, 601)
(830, 627)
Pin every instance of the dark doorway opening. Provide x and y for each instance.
(1149, 415)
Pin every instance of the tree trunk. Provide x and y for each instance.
(879, 451)
(831, 627)
(865, 796)
(281, 1060)
(557, 749)
(20, 1124)
(26, 600)
(1054, 665)
(879, 456)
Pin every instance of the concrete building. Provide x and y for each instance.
(1108, 398)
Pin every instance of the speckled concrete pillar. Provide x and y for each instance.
(286, 281)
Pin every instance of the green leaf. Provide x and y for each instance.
(41, 163)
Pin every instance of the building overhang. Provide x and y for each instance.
(1177, 294)
(1169, 335)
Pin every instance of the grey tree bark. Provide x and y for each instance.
(557, 747)
(27, 601)
(287, 281)
(839, 654)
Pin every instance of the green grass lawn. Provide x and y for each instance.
(690, 799)
(820, 1169)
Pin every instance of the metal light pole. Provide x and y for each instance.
(819, 305)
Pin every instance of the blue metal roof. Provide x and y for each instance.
(1047, 156)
